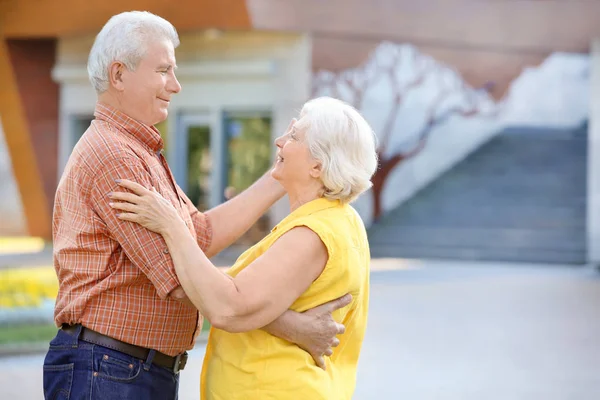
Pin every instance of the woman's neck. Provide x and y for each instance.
(299, 197)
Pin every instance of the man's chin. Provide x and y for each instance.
(161, 118)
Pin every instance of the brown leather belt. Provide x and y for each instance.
(176, 363)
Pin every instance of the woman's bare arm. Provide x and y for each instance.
(257, 295)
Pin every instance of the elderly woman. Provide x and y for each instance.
(319, 252)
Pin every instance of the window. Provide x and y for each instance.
(79, 124)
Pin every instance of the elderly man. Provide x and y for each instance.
(125, 322)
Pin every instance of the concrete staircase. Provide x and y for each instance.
(519, 197)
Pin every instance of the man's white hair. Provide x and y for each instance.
(342, 141)
(125, 38)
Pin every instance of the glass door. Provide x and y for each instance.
(248, 156)
(199, 165)
(194, 159)
(216, 156)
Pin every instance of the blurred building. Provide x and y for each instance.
(482, 110)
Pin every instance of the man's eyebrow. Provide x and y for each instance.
(167, 66)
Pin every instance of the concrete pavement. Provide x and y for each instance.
(446, 330)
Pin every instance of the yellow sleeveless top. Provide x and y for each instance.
(258, 366)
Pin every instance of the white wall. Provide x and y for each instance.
(593, 194)
(553, 94)
(377, 82)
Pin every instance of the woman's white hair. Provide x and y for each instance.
(125, 38)
(342, 141)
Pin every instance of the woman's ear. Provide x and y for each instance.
(115, 75)
(316, 169)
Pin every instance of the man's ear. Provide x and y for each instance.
(115, 75)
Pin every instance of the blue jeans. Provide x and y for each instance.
(74, 369)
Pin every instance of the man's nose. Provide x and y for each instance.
(174, 85)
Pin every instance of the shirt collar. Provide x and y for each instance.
(309, 208)
(148, 135)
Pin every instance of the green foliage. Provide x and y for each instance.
(27, 333)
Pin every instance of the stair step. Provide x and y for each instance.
(479, 254)
(516, 178)
(506, 217)
(563, 239)
(519, 197)
(466, 199)
(547, 132)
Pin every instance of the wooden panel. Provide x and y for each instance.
(484, 40)
(32, 62)
(480, 67)
(51, 18)
(501, 26)
(476, 66)
(19, 144)
(335, 54)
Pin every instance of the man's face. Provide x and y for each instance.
(147, 91)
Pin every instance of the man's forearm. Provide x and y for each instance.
(234, 217)
(285, 327)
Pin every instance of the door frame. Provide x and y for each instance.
(178, 152)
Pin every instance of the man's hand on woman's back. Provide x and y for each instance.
(314, 330)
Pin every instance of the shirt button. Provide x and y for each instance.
(166, 251)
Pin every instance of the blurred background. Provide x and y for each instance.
(484, 216)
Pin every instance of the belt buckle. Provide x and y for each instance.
(177, 362)
(179, 365)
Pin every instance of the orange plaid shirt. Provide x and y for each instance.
(115, 276)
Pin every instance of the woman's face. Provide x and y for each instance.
(294, 165)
